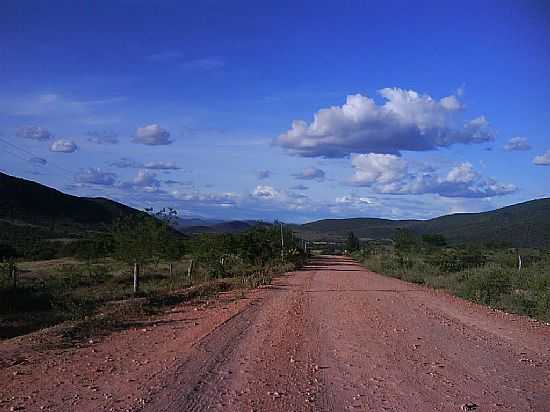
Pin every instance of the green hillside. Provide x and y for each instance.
(522, 225)
(37, 221)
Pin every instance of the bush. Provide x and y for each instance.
(491, 279)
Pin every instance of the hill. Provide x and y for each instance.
(30, 202)
(33, 216)
(522, 225)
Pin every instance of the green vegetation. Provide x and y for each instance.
(94, 288)
(489, 276)
(352, 243)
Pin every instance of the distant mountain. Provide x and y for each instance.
(29, 210)
(235, 226)
(183, 223)
(521, 225)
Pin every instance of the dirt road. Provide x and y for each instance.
(337, 337)
(333, 336)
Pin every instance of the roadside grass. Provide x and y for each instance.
(494, 280)
(97, 296)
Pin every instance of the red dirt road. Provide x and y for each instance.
(333, 336)
(337, 337)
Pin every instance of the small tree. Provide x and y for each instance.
(140, 239)
(352, 243)
(405, 240)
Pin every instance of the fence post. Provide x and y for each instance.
(190, 269)
(170, 269)
(14, 275)
(136, 277)
(519, 262)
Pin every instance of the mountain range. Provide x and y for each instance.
(51, 213)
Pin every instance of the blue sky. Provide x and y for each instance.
(280, 110)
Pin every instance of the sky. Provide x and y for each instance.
(280, 110)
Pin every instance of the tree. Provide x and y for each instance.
(405, 240)
(352, 242)
(436, 240)
(144, 238)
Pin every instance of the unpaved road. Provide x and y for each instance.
(333, 336)
(337, 337)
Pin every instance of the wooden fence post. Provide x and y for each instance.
(170, 269)
(136, 277)
(190, 269)
(14, 275)
(519, 262)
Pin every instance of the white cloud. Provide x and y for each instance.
(33, 132)
(406, 121)
(265, 196)
(517, 143)
(63, 146)
(221, 199)
(161, 165)
(263, 174)
(95, 177)
(355, 200)
(146, 179)
(378, 168)
(543, 159)
(391, 174)
(310, 173)
(266, 192)
(152, 135)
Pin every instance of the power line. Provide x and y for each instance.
(29, 153)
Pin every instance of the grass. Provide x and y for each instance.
(98, 296)
(494, 280)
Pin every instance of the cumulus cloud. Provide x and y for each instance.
(310, 173)
(63, 146)
(221, 199)
(145, 180)
(95, 176)
(152, 135)
(391, 174)
(270, 197)
(102, 137)
(354, 199)
(266, 192)
(38, 161)
(517, 143)
(543, 159)
(263, 174)
(161, 166)
(33, 132)
(406, 121)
